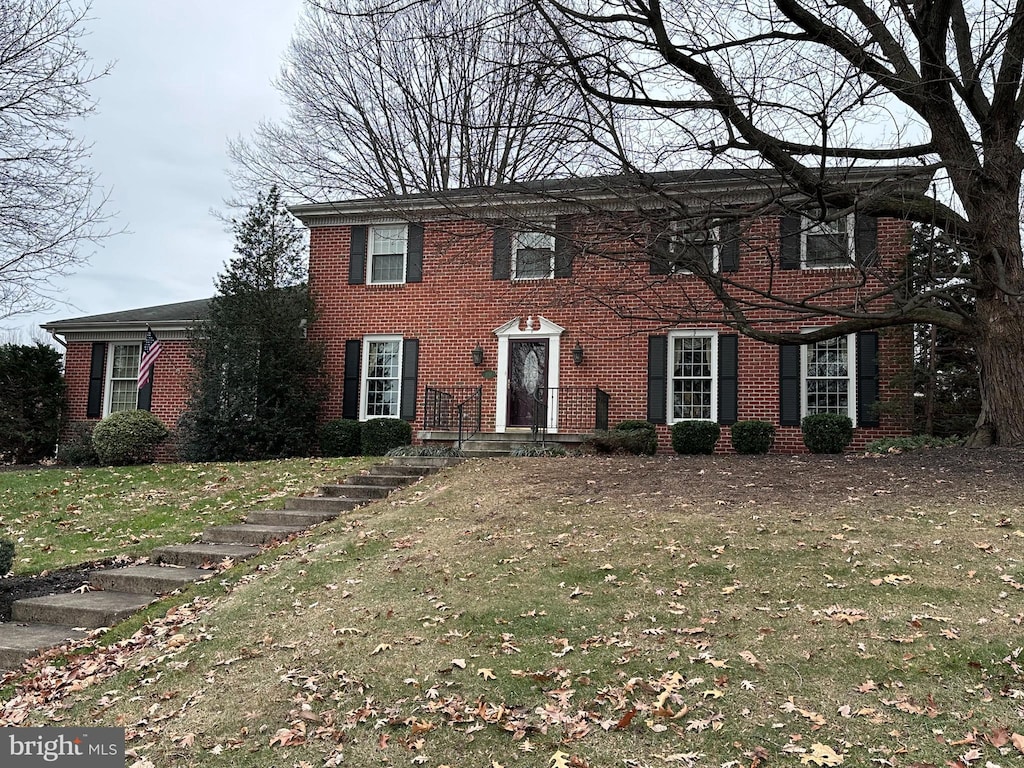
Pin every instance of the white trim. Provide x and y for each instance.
(816, 227)
(545, 329)
(364, 368)
(370, 254)
(693, 333)
(109, 373)
(851, 375)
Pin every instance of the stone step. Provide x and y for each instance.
(79, 609)
(336, 504)
(202, 555)
(389, 481)
(249, 533)
(354, 491)
(21, 641)
(147, 579)
(296, 517)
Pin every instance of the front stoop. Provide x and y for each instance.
(23, 641)
(148, 579)
(40, 623)
(79, 609)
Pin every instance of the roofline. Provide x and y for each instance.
(574, 195)
(74, 326)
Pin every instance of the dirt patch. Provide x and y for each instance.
(57, 581)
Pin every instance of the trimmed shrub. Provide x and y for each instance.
(128, 437)
(537, 451)
(77, 449)
(827, 432)
(6, 556)
(381, 435)
(752, 437)
(341, 437)
(638, 437)
(695, 437)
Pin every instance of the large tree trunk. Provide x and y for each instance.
(1000, 348)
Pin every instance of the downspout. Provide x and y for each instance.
(59, 341)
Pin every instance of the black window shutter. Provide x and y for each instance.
(657, 379)
(729, 246)
(357, 256)
(565, 250)
(867, 379)
(145, 402)
(501, 266)
(94, 405)
(414, 261)
(728, 378)
(350, 393)
(659, 244)
(866, 240)
(789, 385)
(789, 242)
(410, 370)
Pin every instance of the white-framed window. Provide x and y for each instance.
(386, 254)
(382, 377)
(122, 385)
(688, 248)
(828, 377)
(827, 244)
(533, 255)
(693, 376)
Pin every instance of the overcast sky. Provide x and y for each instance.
(187, 76)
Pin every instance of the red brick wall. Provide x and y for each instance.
(458, 305)
(171, 373)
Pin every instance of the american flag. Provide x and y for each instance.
(150, 352)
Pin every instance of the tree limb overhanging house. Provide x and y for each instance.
(546, 310)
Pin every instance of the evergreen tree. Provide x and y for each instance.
(32, 402)
(257, 389)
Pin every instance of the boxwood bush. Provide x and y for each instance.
(381, 435)
(128, 437)
(695, 437)
(752, 437)
(827, 432)
(341, 437)
(632, 436)
(6, 556)
(76, 447)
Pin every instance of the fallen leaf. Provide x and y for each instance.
(821, 754)
(486, 674)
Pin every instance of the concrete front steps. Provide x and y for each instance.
(40, 623)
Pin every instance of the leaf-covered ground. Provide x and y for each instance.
(713, 611)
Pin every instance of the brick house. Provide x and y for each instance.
(550, 309)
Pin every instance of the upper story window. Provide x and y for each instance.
(387, 252)
(122, 378)
(533, 255)
(688, 250)
(825, 244)
(693, 375)
(828, 377)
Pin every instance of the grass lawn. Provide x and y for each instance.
(60, 517)
(710, 611)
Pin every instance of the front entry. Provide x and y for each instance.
(527, 382)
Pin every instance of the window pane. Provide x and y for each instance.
(387, 269)
(125, 363)
(383, 383)
(534, 255)
(692, 250)
(828, 377)
(123, 395)
(387, 254)
(827, 244)
(692, 378)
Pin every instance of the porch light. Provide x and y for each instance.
(478, 355)
(577, 354)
